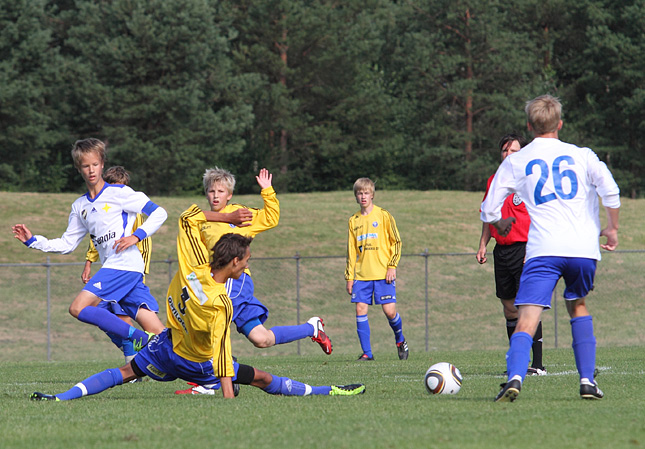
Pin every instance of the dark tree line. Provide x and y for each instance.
(414, 94)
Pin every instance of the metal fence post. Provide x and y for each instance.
(425, 255)
(297, 257)
(49, 310)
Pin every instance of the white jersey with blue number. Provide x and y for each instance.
(560, 184)
(107, 217)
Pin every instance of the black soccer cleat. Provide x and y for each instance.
(364, 357)
(589, 391)
(510, 391)
(402, 349)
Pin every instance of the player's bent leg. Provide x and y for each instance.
(261, 337)
(149, 321)
(83, 299)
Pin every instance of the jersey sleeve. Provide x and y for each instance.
(501, 187)
(138, 202)
(145, 245)
(92, 254)
(602, 179)
(267, 217)
(190, 247)
(394, 239)
(350, 267)
(68, 242)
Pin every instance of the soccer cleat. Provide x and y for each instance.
(403, 350)
(590, 391)
(536, 371)
(509, 391)
(198, 389)
(43, 397)
(139, 344)
(365, 357)
(320, 336)
(347, 390)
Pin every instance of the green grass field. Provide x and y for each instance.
(395, 411)
(465, 327)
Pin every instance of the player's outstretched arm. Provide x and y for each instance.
(264, 178)
(240, 217)
(21, 232)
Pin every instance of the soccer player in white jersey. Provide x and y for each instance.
(107, 212)
(560, 184)
(373, 253)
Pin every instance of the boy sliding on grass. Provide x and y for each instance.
(196, 345)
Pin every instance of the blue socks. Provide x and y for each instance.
(397, 327)
(109, 323)
(94, 384)
(287, 334)
(289, 387)
(519, 354)
(363, 330)
(584, 346)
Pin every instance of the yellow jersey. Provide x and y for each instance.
(373, 245)
(145, 248)
(199, 310)
(263, 220)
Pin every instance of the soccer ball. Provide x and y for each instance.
(443, 378)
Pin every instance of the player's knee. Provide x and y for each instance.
(74, 310)
(262, 339)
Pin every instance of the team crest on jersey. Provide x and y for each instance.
(516, 199)
(84, 214)
(375, 224)
(231, 225)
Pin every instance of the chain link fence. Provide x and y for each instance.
(446, 301)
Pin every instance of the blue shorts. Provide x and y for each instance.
(374, 292)
(541, 274)
(123, 287)
(246, 307)
(112, 307)
(158, 361)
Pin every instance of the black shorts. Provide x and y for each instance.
(509, 261)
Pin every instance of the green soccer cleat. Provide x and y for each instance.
(43, 397)
(139, 344)
(347, 390)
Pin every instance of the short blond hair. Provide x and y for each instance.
(364, 184)
(544, 114)
(86, 146)
(214, 175)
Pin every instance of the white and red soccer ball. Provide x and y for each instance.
(443, 378)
